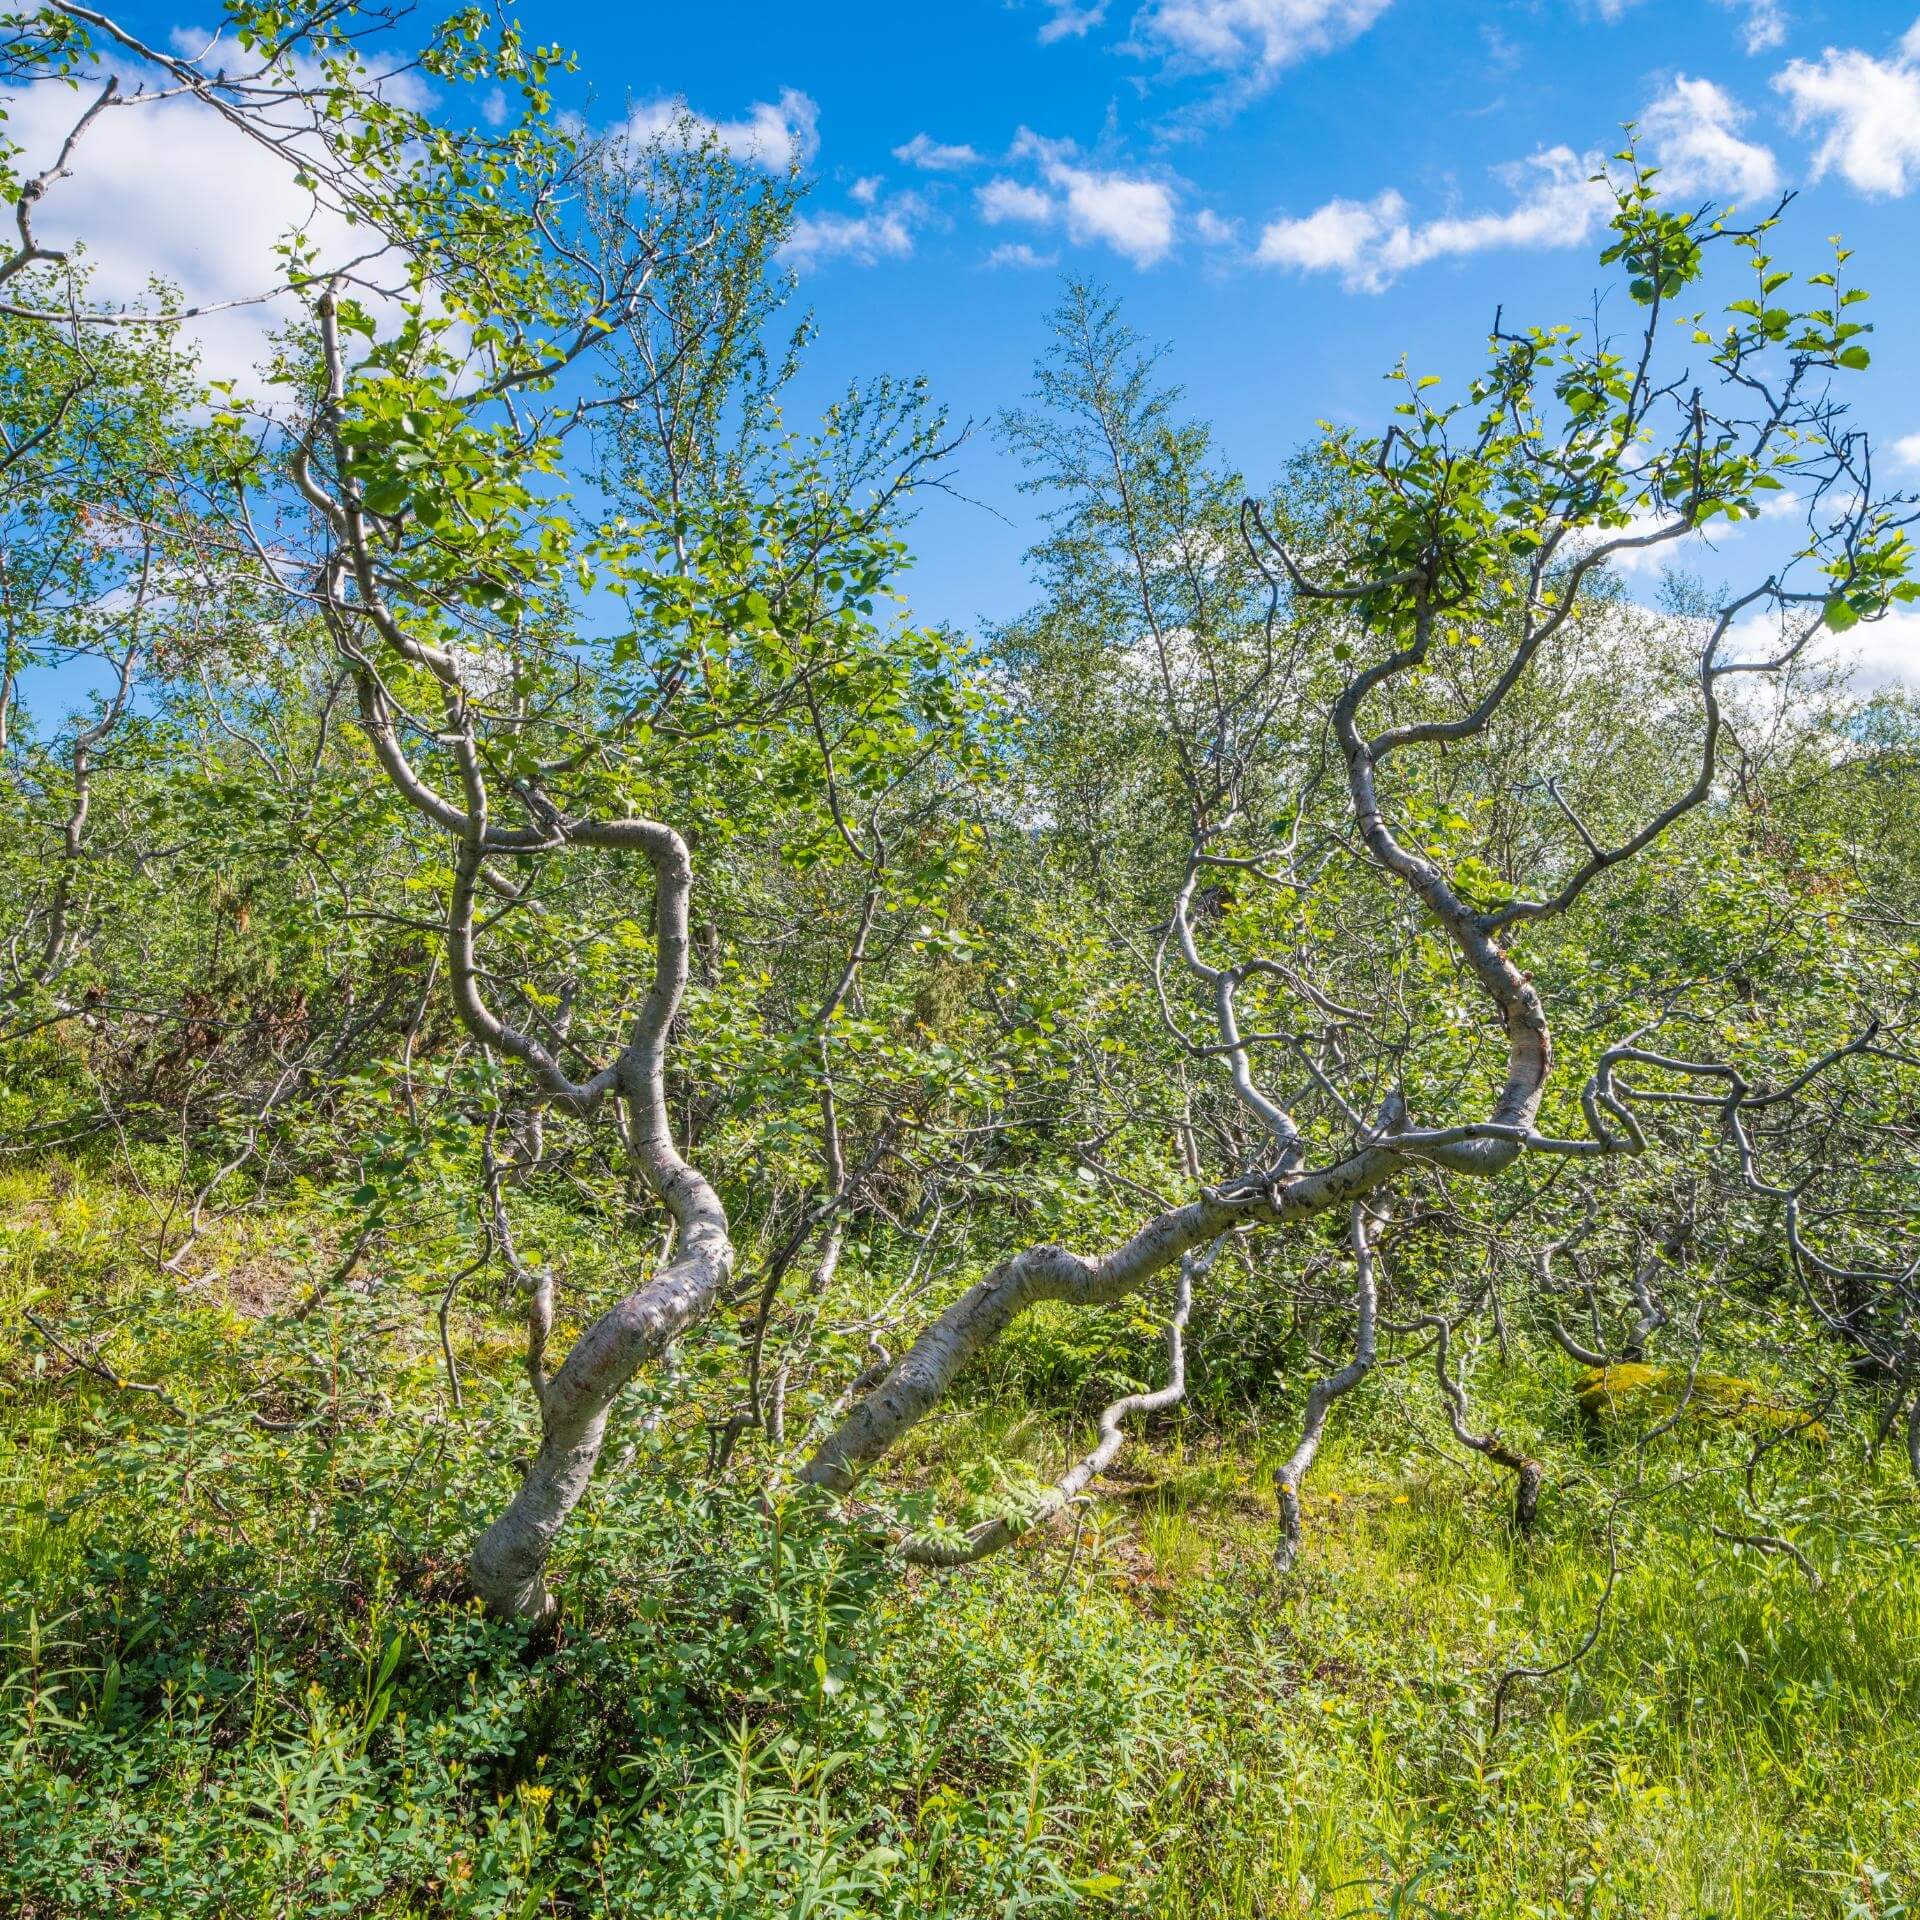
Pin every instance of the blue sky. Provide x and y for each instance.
(1290, 193)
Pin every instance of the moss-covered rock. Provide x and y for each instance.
(1642, 1395)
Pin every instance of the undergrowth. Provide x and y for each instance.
(240, 1676)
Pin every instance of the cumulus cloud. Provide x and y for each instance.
(212, 49)
(165, 188)
(1691, 550)
(1763, 23)
(1867, 113)
(1883, 653)
(1131, 213)
(162, 187)
(936, 156)
(1002, 200)
(1370, 243)
(1646, 560)
(1353, 236)
(1907, 450)
(1875, 654)
(1694, 549)
(775, 135)
(863, 239)
(1252, 38)
(1694, 128)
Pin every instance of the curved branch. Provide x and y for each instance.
(1325, 1391)
(930, 1550)
(930, 1366)
(1529, 1473)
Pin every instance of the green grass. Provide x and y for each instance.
(239, 1678)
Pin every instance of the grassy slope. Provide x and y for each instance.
(239, 1679)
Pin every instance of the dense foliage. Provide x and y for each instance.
(569, 1066)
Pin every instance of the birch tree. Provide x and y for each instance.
(1462, 558)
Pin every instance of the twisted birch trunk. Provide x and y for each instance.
(509, 1560)
(991, 1535)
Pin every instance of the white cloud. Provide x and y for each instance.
(1003, 200)
(1215, 231)
(1256, 38)
(1649, 560)
(402, 86)
(1068, 20)
(866, 189)
(1131, 213)
(935, 156)
(1016, 253)
(1679, 551)
(1694, 128)
(1907, 450)
(865, 239)
(1370, 243)
(1560, 199)
(1868, 110)
(166, 188)
(1696, 549)
(1876, 653)
(771, 134)
(1765, 24)
(1350, 235)
(1883, 653)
